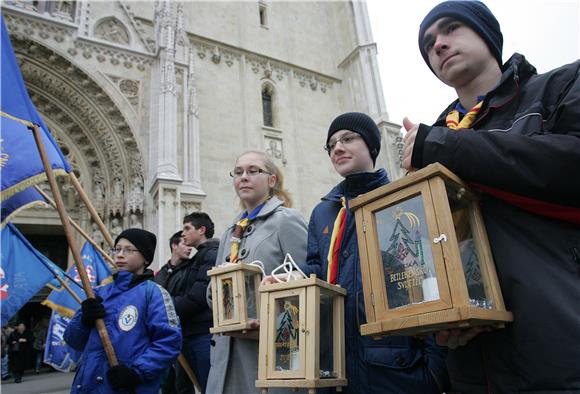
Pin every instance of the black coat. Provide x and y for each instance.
(187, 284)
(525, 143)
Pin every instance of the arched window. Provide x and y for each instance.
(267, 105)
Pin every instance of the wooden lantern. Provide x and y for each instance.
(426, 263)
(235, 298)
(301, 335)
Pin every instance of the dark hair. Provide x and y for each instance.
(175, 239)
(198, 219)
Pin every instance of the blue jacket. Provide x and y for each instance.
(148, 344)
(393, 364)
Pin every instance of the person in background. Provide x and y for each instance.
(514, 136)
(40, 331)
(394, 364)
(19, 349)
(169, 276)
(140, 319)
(266, 230)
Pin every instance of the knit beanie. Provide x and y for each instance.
(143, 240)
(474, 14)
(361, 124)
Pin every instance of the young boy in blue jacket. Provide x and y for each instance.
(140, 319)
(393, 364)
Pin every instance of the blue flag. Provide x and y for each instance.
(57, 353)
(27, 198)
(23, 272)
(98, 271)
(20, 161)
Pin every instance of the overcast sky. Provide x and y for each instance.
(547, 32)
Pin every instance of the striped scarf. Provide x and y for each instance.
(335, 241)
(453, 122)
(239, 229)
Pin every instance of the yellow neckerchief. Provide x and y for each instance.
(335, 241)
(452, 119)
(241, 227)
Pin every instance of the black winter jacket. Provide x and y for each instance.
(187, 284)
(525, 144)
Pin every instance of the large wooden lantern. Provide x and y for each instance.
(426, 263)
(301, 335)
(235, 298)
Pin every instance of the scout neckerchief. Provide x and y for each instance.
(452, 119)
(335, 241)
(239, 230)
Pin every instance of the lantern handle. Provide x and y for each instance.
(260, 265)
(288, 266)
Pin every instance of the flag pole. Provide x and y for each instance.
(185, 365)
(99, 323)
(67, 287)
(94, 215)
(86, 236)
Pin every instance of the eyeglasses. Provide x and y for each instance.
(126, 251)
(252, 172)
(344, 140)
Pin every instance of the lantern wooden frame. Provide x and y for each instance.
(307, 375)
(238, 319)
(436, 186)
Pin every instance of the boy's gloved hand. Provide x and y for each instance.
(92, 309)
(122, 377)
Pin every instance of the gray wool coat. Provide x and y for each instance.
(276, 230)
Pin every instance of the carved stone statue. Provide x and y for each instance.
(116, 202)
(134, 221)
(96, 235)
(135, 199)
(116, 228)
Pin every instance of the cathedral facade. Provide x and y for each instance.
(152, 102)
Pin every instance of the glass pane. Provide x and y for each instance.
(267, 109)
(469, 253)
(228, 298)
(250, 284)
(326, 335)
(287, 312)
(405, 249)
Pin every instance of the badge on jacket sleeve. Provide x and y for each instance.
(128, 318)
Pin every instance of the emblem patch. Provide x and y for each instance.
(128, 318)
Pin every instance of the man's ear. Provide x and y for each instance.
(201, 230)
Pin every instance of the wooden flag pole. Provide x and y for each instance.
(67, 287)
(185, 365)
(94, 215)
(86, 236)
(99, 323)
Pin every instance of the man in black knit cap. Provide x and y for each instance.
(394, 364)
(513, 135)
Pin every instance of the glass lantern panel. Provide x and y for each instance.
(228, 298)
(327, 370)
(469, 253)
(405, 248)
(250, 284)
(287, 312)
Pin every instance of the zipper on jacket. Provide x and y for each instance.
(516, 80)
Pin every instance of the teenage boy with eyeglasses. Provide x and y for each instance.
(394, 364)
(519, 144)
(140, 319)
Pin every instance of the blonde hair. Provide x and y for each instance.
(278, 189)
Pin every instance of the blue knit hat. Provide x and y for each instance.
(361, 124)
(474, 14)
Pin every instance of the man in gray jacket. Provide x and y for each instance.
(513, 135)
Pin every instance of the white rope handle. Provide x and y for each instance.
(260, 265)
(288, 266)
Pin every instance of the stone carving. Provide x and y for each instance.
(112, 30)
(116, 200)
(116, 228)
(136, 196)
(99, 193)
(129, 87)
(134, 221)
(96, 235)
